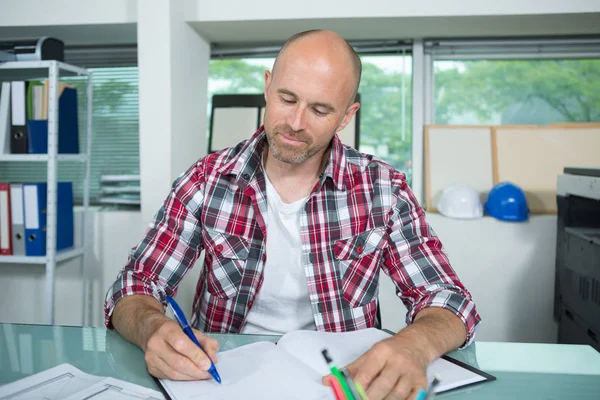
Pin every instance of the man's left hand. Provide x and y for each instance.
(392, 369)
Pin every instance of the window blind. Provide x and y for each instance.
(267, 50)
(508, 48)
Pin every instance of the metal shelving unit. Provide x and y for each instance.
(54, 70)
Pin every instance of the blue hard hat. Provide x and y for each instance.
(507, 202)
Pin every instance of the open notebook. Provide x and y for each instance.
(293, 368)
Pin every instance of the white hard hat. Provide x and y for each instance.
(460, 201)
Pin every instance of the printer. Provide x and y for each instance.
(577, 284)
(44, 48)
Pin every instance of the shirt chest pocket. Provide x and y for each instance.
(357, 260)
(225, 260)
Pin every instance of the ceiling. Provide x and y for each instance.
(270, 31)
(402, 28)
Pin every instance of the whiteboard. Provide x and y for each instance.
(457, 154)
(348, 134)
(533, 157)
(231, 125)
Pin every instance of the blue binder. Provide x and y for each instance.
(68, 127)
(34, 205)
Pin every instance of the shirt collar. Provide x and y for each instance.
(336, 165)
(247, 161)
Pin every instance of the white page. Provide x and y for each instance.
(256, 371)
(55, 383)
(114, 389)
(343, 347)
(346, 347)
(451, 375)
(67, 382)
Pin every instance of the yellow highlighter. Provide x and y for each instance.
(361, 391)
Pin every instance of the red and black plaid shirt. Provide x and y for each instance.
(361, 218)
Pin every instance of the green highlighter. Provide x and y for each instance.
(338, 375)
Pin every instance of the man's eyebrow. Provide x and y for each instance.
(326, 106)
(285, 91)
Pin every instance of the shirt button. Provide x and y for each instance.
(264, 257)
(246, 176)
(359, 249)
(219, 248)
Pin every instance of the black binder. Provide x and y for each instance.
(18, 128)
(18, 140)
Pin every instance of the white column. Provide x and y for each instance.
(173, 62)
(418, 122)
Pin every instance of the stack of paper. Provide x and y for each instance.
(65, 382)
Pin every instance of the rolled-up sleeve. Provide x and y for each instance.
(169, 248)
(419, 267)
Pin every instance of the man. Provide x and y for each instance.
(295, 228)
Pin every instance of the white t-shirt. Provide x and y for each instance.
(282, 304)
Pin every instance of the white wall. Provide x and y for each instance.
(202, 10)
(73, 12)
(66, 12)
(509, 270)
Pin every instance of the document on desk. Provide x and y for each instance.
(293, 368)
(65, 382)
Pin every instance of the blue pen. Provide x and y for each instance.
(430, 393)
(180, 317)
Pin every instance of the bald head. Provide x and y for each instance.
(326, 44)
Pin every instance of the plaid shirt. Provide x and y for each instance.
(361, 218)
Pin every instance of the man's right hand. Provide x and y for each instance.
(171, 354)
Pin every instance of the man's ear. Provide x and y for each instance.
(268, 77)
(350, 111)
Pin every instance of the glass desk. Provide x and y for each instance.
(523, 370)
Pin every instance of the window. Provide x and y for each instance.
(506, 81)
(115, 134)
(235, 76)
(386, 106)
(517, 91)
(386, 116)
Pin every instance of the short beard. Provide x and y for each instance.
(282, 153)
